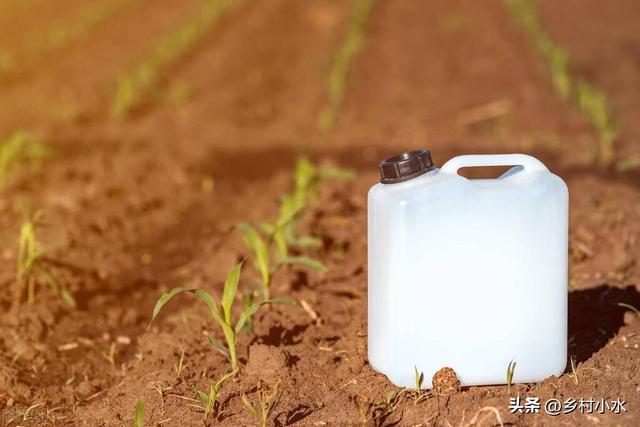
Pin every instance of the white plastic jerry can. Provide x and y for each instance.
(469, 274)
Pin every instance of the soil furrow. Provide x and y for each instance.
(78, 78)
(605, 51)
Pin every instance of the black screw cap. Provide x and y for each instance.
(405, 166)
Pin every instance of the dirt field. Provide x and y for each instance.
(138, 205)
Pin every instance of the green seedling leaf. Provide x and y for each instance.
(247, 404)
(305, 173)
(260, 251)
(419, 378)
(574, 369)
(251, 310)
(165, 298)
(230, 290)
(219, 346)
(334, 172)
(204, 397)
(224, 379)
(303, 260)
(308, 242)
(55, 285)
(511, 368)
(138, 420)
(267, 228)
(630, 307)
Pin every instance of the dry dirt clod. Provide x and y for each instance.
(266, 362)
(445, 381)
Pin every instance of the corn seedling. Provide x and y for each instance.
(262, 259)
(283, 233)
(111, 355)
(418, 380)
(574, 370)
(349, 48)
(209, 398)
(307, 180)
(142, 77)
(222, 314)
(32, 267)
(138, 419)
(180, 366)
(590, 101)
(267, 401)
(511, 369)
(377, 413)
(17, 149)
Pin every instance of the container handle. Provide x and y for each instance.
(528, 163)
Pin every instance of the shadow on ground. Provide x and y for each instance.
(595, 317)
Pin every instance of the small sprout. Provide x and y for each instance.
(378, 413)
(111, 354)
(17, 149)
(419, 381)
(268, 398)
(138, 420)
(307, 179)
(180, 366)
(630, 307)
(574, 369)
(260, 252)
(222, 314)
(511, 368)
(262, 259)
(32, 267)
(419, 378)
(209, 399)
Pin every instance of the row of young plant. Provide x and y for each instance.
(130, 88)
(135, 84)
(349, 48)
(272, 245)
(591, 101)
(59, 35)
(23, 148)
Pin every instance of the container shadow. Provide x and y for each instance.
(595, 317)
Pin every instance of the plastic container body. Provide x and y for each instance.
(469, 274)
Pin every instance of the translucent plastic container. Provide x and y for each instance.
(468, 274)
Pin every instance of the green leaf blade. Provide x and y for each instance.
(230, 290)
(164, 299)
(139, 414)
(219, 346)
(260, 251)
(306, 261)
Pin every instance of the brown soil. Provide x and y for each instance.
(126, 201)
